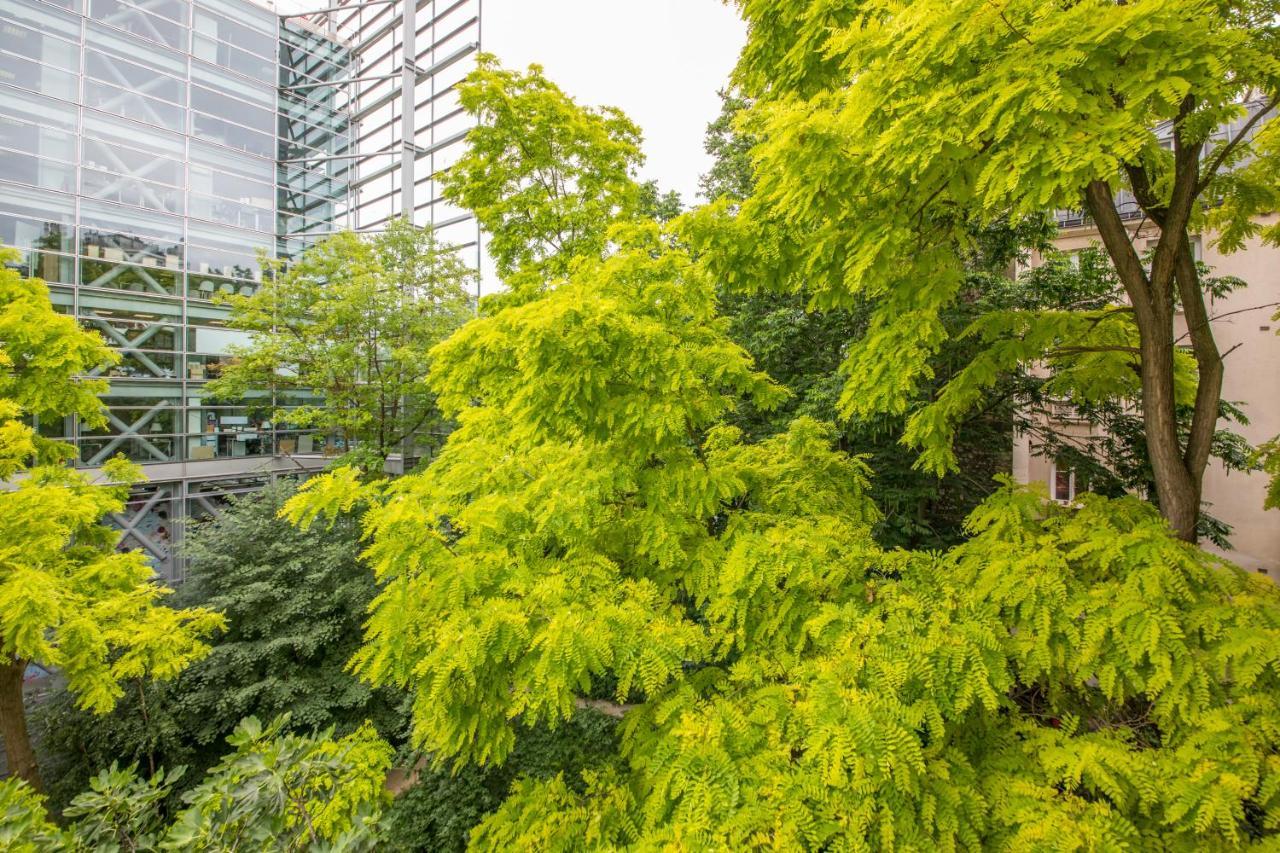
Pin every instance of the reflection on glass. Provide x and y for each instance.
(37, 171)
(131, 104)
(149, 448)
(28, 232)
(128, 190)
(29, 74)
(47, 266)
(140, 23)
(232, 135)
(143, 277)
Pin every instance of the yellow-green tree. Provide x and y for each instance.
(593, 535)
(888, 130)
(69, 600)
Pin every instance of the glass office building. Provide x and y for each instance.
(151, 153)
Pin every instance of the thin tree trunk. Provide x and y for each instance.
(19, 754)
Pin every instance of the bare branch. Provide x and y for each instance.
(1229, 314)
(1212, 167)
(610, 709)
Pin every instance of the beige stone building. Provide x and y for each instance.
(1245, 331)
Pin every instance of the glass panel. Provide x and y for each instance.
(224, 29)
(225, 444)
(38, 109)
(37, 172)
(161, 59)
(33, 138)
(175, 10)
(260, 19)
(151, 448)
(40, 19)
(132, 105)
(214, 251)
(112, 219)
(146, 365)
(47, 266)
(29, 74)
(232, 213)
(139, 23)
(131, 329)
(146, 276)
(201, 367)
(127, 190)
(214, 341)
(137, 78)
(232, 135)
(35, 220)
(242, 62)
(217, 80)
(222, 106)
(134, 162)
(209, 163)
(26, 42)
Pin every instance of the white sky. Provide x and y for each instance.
(660, 61)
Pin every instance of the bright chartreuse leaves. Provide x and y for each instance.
(69, 600)
(557, 526)
(1069, 679)
(44, 361)
(887, 131)
(595, 535)
(544, 176)
(352, 320)
(273, 791)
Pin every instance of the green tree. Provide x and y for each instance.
(352, 320)
(273, 791)
(568, 172)
(886, 131)
(803, 349)
(69, 599)
(294, 601)
(439, 811)
(1070, 677)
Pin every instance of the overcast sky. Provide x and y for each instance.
(660, 61)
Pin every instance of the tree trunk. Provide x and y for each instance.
(1178, 475)
(19, 754)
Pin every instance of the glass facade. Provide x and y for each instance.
(144, 169)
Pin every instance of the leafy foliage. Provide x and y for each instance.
(439, 812)
(888, 131)
(352, 320)
(544, 176)
(1070, 677)
(68, 598)
(294, 603)
(274, 791)
(803, 350)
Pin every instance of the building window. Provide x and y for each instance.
(1062, 484)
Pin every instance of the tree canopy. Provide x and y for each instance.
(886, 131)
(353, 320)
(596, 535)
(68, 597)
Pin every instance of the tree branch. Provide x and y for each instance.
(609, 709)
(1211, 168)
